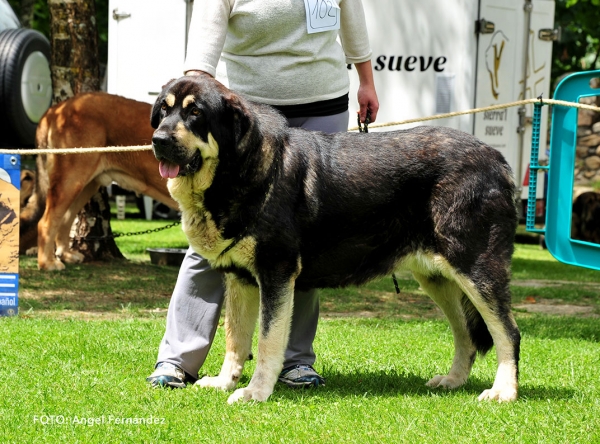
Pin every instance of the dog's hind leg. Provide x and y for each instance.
(451, 300)
(492, 301)
(241, 312)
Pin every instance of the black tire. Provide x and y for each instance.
(25, 84)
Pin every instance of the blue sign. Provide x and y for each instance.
(10, 174)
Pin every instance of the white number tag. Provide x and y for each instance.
(322, 15)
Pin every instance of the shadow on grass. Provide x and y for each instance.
(392, 384)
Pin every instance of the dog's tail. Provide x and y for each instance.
(32, 208)
(478, 331)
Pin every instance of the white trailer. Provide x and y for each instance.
(429, 57)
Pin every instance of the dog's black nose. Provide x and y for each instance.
(161, 142)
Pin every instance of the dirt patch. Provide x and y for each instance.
(549, 308)
(82, 315)
(126, 302)
(541, 283)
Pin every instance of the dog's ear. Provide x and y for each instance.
(237, 121)
(155, 114)
(242, 119)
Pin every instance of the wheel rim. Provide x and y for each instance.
(36, 86)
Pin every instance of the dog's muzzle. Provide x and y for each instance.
(173, 159)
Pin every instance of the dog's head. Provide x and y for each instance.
(196, 118)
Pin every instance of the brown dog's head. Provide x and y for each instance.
(196, 118)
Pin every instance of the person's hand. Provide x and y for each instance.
(367, 102)
(367, 96)
(196, 72)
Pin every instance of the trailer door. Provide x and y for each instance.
(504, 75)
(146, 47)
(423, 59)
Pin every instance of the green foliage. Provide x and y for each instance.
(102, 15)
(579, 48)
(41, 18)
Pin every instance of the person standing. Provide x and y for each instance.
(283, 53)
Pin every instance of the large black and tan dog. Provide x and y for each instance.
(278, 208)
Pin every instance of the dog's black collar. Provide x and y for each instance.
(235, 241)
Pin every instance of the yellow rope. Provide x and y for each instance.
(479, 110)
(32, 152)
(106, 149)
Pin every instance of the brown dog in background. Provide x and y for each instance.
(65, 183)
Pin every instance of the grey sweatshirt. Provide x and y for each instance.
(262, 49)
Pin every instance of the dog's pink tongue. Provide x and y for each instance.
(168, 170)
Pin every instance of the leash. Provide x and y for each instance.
(364, 128)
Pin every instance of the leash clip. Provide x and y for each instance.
(364, 128)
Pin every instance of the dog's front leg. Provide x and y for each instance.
(276, 305)
(241, 312)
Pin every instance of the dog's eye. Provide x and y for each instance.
(195, 111)
(163, 107)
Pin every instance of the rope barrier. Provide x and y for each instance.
(479, 110)
(107, 149)
(113, 149)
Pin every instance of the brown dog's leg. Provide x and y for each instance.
(65, 184)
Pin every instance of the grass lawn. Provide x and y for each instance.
(73, 364)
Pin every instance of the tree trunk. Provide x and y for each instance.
(74, 40)
(74, 68)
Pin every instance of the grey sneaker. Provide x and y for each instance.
(167, 375)
(300, 376)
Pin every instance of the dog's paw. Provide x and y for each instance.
(447, 382)
(72, 257)
(247, 394)
(54, 265)
(217, 382)
(507, 394)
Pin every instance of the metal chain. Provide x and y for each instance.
(135, 233)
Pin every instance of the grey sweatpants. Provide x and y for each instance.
(197, 299)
